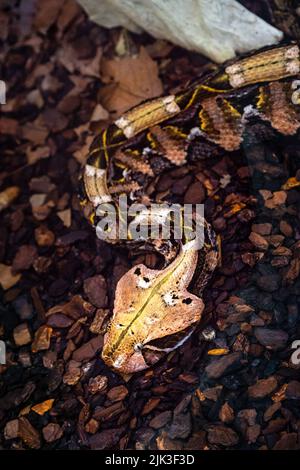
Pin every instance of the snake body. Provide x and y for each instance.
(157, 135)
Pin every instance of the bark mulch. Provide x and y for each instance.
(235, 384)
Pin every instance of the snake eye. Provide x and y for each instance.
(138, 347)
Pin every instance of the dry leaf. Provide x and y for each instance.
(42, 408)
(131, 80)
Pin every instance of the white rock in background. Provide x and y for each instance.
(215, 28)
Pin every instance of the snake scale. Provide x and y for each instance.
(155, 311)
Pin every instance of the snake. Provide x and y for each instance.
(155, 311)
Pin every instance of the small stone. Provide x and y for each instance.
(150, 405)
(286, 228)
(275, 240)
(293, 390)
(208, 333)
(223, 365)
(107, 413)
(258, 241)
(289, 441)
(276, 425)
(66, 217)
(29, 435)
(69, 103)
(41, 184)
(163, 442)
(248, 415)
(219, 224)
(24, 258)
(262, 388)
(117, 393)
(22, 334)
(58, 320)
(195, 194)
(262, 229)
(252, 433)
(7, 278)
(25, 359)
(42, 264)
(161, 420)
(42, 338)
(73, 373)
(181, 185)
(40, 208)
(95, 289)
(213, 393)
(11, 430)
(91, 426)
(181, 426)
(99, 113)
(280, 261)
(88, 350)
(282, 251)
(269, 283)
(54, 120)
(293, 272)
(271, 411)
(49, 359)
(23, 308)
(226, 413)
(278, 198)
(100, 316)
(106, 439)
(252, 258)
(143, 438)
(196, 442)
(44, 236)
(98, 384)
(222, 435)
(52, 432)
(271, 338)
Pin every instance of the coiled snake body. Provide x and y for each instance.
(153, 311)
